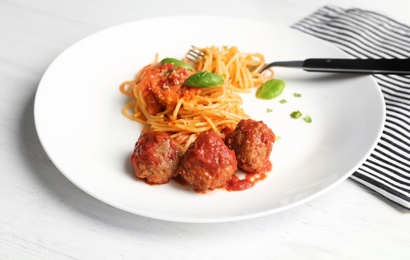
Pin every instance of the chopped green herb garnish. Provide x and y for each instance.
(283, 101)
(269, 110)
(295, 114)
(308, 119)
(168, 72)
(297, 94)
(277, 138)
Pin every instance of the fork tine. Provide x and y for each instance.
(197, 51)
(194, 54)
(191, 57)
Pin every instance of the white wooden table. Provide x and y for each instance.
(44, 216)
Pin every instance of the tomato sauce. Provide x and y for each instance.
(236, 184)
(162, 86)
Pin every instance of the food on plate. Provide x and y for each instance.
(296, 114)
(177, 62)
(208, 163)
(195, 121)
(307, 119)
(204, 79)
(252, 142)
(161, 101)
(241, 70)
(270, 89)
(156, 157)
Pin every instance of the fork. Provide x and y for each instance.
(194, 54)
(364, 66)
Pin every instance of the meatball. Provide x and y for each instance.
(156, 157)
(208, 163)
(252, 142)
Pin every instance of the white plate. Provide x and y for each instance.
(79, 121)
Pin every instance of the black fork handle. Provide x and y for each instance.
(370, 66)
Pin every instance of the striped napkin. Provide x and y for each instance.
(367, 34)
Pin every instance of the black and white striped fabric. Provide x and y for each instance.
(367, 34)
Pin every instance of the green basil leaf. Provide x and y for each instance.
(204, 80)
(177, 63)
(308, 119)
(296, 114)
(270, 89)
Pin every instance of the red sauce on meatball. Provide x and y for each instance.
(156, 157)
(208, 163)
(252, 142)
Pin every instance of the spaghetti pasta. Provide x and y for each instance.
(241, 70)
(160, 101)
